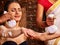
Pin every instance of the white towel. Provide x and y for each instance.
(51, 29)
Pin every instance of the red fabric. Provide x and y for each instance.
(46, 4)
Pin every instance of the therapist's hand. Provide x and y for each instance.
(5, 17)
(50, 21)
(28, 33)
(31, 34)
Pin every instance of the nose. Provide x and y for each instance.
(17, 12)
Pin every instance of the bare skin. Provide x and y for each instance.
(40, 36)
(15, 13)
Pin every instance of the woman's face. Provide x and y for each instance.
(15, 11)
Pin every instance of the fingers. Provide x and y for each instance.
(8, 15)
(32, 34)
(4, 33)
(24, 30)
(29, 33)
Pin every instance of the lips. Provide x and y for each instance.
(17, 16)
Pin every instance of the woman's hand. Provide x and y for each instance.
(24, 30)
(4, 33)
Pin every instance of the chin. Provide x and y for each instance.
(18, 19)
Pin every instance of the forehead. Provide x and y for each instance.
(14, 5)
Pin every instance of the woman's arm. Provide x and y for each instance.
(45, 36)
(39, 18)
(42, 36)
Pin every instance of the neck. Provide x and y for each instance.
(17, 24)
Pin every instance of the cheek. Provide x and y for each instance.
(20, 13)
(12, 14)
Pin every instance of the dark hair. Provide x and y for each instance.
(8, 3)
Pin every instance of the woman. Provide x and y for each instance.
(14, 10)
(46, 7)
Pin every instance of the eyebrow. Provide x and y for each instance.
(15, 8)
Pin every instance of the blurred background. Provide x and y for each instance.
(29, 8)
